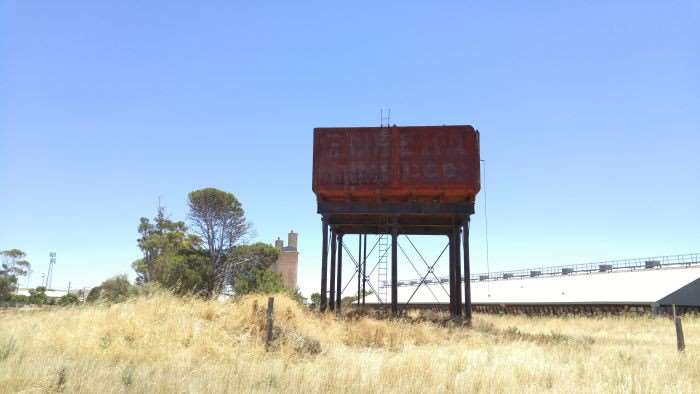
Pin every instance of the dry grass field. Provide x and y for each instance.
(164, 344)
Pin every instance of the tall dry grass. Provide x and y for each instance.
(164, 344)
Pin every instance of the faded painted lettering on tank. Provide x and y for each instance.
(396, 163)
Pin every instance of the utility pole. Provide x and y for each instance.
(29, 275)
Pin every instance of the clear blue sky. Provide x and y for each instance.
(589, 114)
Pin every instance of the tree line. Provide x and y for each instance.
(15, 267)
(205, 256)
(210, 253)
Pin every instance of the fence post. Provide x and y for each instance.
(673, 311)
(268, 339)
(680, 339)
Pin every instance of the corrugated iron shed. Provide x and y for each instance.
(680, 286)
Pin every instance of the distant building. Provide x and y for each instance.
(51, 293)
(642, 284)
(288, 260)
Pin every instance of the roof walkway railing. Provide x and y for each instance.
(634, 264)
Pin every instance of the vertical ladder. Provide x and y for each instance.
(228, 282)
(382, 269)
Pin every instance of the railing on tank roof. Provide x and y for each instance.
(634, 264)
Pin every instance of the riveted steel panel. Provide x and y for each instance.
(413, 163)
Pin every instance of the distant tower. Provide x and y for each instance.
(292, 239)
(288, 261)
(52, 262)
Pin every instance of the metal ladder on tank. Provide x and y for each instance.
(382, 269)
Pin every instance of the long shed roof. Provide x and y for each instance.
(668, 285)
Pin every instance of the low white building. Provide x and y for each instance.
(653, 286)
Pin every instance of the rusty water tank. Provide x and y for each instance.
(396, 164)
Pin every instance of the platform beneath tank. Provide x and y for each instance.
(414, 218)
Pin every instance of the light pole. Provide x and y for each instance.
(52, 262)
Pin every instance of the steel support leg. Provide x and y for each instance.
(359, 267)
(339, 287)
(394, 272)
(467, 275)
(324, 265)
(453, 274)
(458, 273)
(334, 245)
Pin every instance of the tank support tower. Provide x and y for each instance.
(395, 181)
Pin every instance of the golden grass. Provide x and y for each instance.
(164, 344)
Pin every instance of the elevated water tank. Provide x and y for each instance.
(396, 164)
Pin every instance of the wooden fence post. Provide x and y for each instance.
(680, 339)
(268, 339)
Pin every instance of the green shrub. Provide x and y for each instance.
(116, 289)
(259, 280)
(8, 284)
(38, 296)
(68, 299)
(19, 298)
(94, 294)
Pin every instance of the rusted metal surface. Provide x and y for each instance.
(324, 265)
(385, 164)
(395, 180)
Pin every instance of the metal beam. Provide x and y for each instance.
(381, 229)
(467, 282)
(359, 267)
(458, 271)
(324, 265)
(356, 263)
(394, 272)
(430, 267)
(451, 264)
(339, 273)
(410, 262)
(423, 280)
(334, 244)
(459, 208)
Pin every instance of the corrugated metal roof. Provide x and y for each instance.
(633, 287)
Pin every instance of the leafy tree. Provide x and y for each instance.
(13, 267)
(8, 285)
(315, 300)
(68, 299)
(260, 280)
(38, 296)
(19, 298)
(186, 271)
(160, 237)
(172, 257)
(244, 259)
(218, 218)
(115, 289)
(94, 294)
(265, 281)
